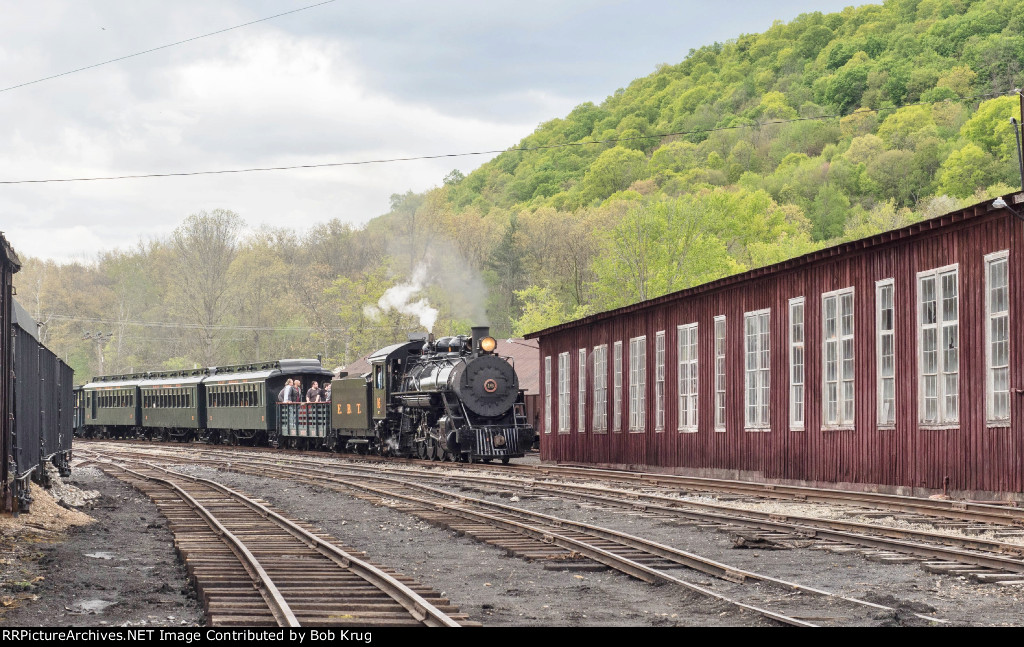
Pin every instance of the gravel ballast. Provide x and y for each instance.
(141, 581)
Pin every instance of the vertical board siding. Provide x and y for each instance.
(8, 267)
(974, 456)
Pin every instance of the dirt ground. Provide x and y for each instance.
(123, 569)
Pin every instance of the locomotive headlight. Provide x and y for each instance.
(488, 344)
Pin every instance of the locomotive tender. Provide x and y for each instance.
(448, 399)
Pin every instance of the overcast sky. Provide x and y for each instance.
(346, 81)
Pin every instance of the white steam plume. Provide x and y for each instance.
(400, 297)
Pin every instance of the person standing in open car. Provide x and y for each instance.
(313, 394)
(285, 394)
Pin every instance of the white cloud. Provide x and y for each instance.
(344, 82)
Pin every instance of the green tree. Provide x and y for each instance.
(613, 170)
(508, 275)
(542, 309)
(828, 213)
(967, 170)
(204, 246)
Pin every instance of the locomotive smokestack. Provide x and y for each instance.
(479, 332)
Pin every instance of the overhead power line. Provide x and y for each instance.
(194, 326)
(154, 49)
(521, 149)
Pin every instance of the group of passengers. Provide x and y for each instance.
(292, 392)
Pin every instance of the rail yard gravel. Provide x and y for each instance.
(145, 583)
(121, 570)
(491, 587)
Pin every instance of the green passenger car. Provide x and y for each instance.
(112, 406)
(171, 406)
(242, 407)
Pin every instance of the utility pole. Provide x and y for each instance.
(1020, 160)
(1016, 129)
(101, 338)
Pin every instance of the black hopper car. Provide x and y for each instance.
(36, 398)
(449, 399)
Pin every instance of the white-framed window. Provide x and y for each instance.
(581, 381)
(997, 338)
(617, 395)
(720, 373)
(885, 330)
(659, 381)
(600, 404)
(938, 299)
(757, 374)
(837, 358)
(563, 393)
(686, 345)
(796, 364)
(547, 394)
(637, 383)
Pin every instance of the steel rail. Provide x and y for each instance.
(846, 532)
(283, 614)
(416, 605)
(828, 529)
(608, 558)
(1007, 513)
(681, 557)
(964, 510)
(722, 512)
(618, 562)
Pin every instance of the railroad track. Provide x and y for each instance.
(963, 514)
(1008, 513)
(986, 561)
(994, 554)
(252, 566)
(566, 543)
(983, 560)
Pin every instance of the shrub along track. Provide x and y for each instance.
(251, 566)
(567, 543)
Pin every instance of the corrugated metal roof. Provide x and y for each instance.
(917, 229)
(526, 358)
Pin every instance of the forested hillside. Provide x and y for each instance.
(823, 129)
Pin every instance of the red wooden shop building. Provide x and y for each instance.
(888, 364)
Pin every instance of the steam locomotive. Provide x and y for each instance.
(447, 399)
(452, 398)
